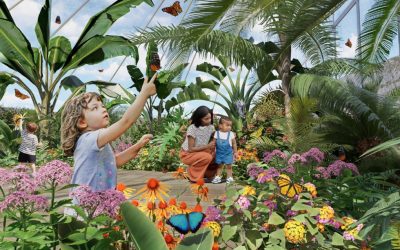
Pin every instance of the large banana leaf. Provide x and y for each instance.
(102, 21)
(42, 28)
(16, 51)
(38, 59)
(5, 80)
(4, 13)
(98, 49)
(213, 70)
(59, 49)
(190, 93)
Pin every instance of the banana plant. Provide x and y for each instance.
(46, 67)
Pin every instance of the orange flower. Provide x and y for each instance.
(106, 235)
(215, 246)
(148, 209)
(198, 208)
(123, 188)
(135, 203)
(153, 190)
(183, 207)
(180, 173)
(199, 189)
(172, 207)
(162, 211)
(171, 241)
(116, 228)
(161, 226)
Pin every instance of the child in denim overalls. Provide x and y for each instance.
(226, 150)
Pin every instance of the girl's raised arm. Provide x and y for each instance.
(130, 116)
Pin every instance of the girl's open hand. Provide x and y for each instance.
(145, 139)
(149, 88)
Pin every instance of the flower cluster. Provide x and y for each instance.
(294, 231)
(20, 181)
(267, 175)
(335, 169)
(99, 202)
(20, 200)
(243, 202)
(214, 226)
(326, 214)
(213, 214)
(314, 154)
(296, 158)
(269, 156)
(253, 170)
(311, 189)
(247, 155)
(54, 173)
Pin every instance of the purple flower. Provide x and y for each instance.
(21, 200)
(21, 182)
(243, 202)
(101, 202)
(122, 146)
(291, 213)
(289, 169)
(213, 214)
(4, 176)
(295, 158)
(267, 175)
(314, 154)
(335, 169)
(272, 205)
(54, 173)
(268, 156)
(253, 170)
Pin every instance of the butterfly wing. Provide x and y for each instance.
(195, 219)
(177, 7)
(170, 10)
(20, 95)
(349, 43)
(155, 63)
(180, 223)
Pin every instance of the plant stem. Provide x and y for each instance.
(52, 222)
(5, 216)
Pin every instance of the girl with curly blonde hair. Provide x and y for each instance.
(85, 134)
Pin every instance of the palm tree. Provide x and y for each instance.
(46, 66)
(216, 27)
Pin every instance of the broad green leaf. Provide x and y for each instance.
(16, 51)
(4, 12)
(102, 21)
(191, 92)
(136, 76)
(203, 239)
(337, 239)
(240, 248)
(42, 28)
(71, 82)
(209, 84)
(98, 49)
(116, 91)
(228, 232)
(38, 59)
(143, 232)
(275, 219)
(253, 239)
(5, 80)
(280, 235)
(59, 49)
(216, 71)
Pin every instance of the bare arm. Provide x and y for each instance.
(130, 116)
(234, 146)
(131, 152)
(192, 148)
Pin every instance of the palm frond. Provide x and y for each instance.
(379, 30)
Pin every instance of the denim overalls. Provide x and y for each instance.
(224, 154)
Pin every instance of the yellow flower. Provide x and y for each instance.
(162, 211)
(294, 231)
(200, 190)
(347, 222)
(128, 192)
(180, 173)
(153, 190)
(249, 190)
(326, 213)
(311, 189)
(215, 227)
(149, 209)
(321, 227)
(145, 152)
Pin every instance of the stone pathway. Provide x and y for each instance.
(178, 188)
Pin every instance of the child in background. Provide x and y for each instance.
(27, 148)
(226, 150)
(85, 134)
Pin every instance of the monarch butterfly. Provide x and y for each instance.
(288, 187)
(20, 95)
(349, 43)
(58, 20)
(184, 223)
(155, 63)
(174, 9)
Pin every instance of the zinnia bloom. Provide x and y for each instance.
(294, 231)
(153, 190)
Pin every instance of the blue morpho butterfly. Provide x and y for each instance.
(186, 222)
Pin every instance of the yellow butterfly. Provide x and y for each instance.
(288, 187)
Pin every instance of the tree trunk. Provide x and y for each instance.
(45, 114)
(284, 73)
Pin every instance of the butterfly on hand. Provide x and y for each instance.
(58, 20)
(183, 223)
(174, 9)
(20, 95)
(287, 187)
(155, 63)
(349, 43)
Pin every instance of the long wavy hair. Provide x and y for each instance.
(71, 114)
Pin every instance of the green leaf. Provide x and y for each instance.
(337, 240)
(136, 76)
(42, 28)
(209, 84)
(71, 82)
(280, 235)
(191, 92)
(16, 51)
(143, 232)
(5, 80)
(228, 232)
(275, 219)
(300, 206)
(253, 239)
(4, 12)
(213, 70)
(98, 49)
(203, 239)
(59, 49)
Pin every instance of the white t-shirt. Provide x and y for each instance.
(224, 136)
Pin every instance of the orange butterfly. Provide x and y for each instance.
(101, 70)
(349, 43)
(58, 20)
(20, 95)
(155, 63)
(174, 9)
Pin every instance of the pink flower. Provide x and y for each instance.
(4, 176)
(296, 158)
(272, 205)
(101, 202)
(253, 170)
(122, 146)
(267, 175)
(20, 200)
(314, 154)
(20, 181)
(335, 169)
(54, 173)
(268, 156)
(243, 202)
(291, 213)
(289, 169)
(213, 214)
